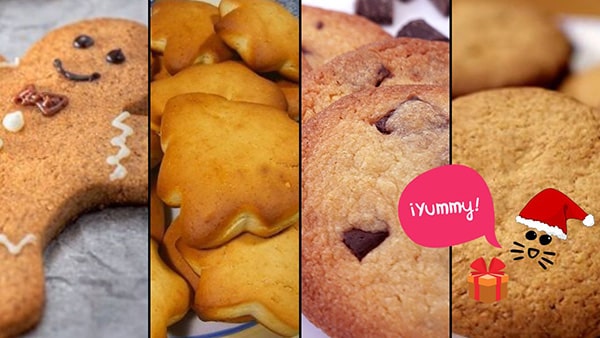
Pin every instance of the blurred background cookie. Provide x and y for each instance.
(584, 86)
(327, 33)
(496, 44)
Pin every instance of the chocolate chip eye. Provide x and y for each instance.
(531, 235)
(83, 41)
(115, 56)
(545, 239)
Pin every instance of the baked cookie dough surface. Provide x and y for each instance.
(522, 141)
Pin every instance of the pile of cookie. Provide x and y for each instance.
(526, 122)
(374, 116)
(225, 151)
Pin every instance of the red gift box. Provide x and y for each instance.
(488, 285)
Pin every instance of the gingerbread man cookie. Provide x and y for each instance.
(75, 96)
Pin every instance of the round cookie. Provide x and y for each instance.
(584, 86)
(327, 33)
(361, 275)
(522, 141)
(391, 62)
(496, 44)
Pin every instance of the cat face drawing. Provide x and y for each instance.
(546, 216)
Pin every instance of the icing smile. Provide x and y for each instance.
(72, 76)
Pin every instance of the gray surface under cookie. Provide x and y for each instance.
(97, 269)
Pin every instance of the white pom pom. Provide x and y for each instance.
(588, 220)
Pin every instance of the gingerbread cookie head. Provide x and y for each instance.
(101, 63)
(71, 143)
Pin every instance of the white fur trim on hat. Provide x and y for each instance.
(549, 229)
(588, 221)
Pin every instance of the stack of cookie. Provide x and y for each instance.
(224, 110)
(524, 140)
(375, 115)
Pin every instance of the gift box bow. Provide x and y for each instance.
(480, 268)
(495, 269)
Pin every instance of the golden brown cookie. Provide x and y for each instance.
(327, 33)
(158, 68)
(386, 63)
(243, 160)
(291, 90)
(183, 31)
(249, 277)
(80, 147)
(361, 275)
(231, 80)
(263, 33)
(171, 295)
(584, 86)
(155, 151)
(496, 44)
(157, 216)
(522, 141)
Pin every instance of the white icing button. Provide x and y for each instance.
(13, 121)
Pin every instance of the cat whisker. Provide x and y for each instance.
(519, 244)
(518, 258)
(516, 250)
(550, 253)
(547, 260)
(542, 265)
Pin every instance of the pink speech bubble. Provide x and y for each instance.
(446, 206)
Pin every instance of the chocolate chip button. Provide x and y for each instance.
(362, 242)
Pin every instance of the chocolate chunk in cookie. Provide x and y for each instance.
(420, 29)
(362, 242)
(380, 11)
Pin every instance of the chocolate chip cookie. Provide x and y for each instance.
(327, 33)
(391, 62)
(361, 275)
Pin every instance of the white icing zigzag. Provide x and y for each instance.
(119, 141)
(16, 249)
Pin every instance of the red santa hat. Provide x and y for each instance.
(549, 210)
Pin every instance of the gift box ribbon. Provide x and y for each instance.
(480, 269)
